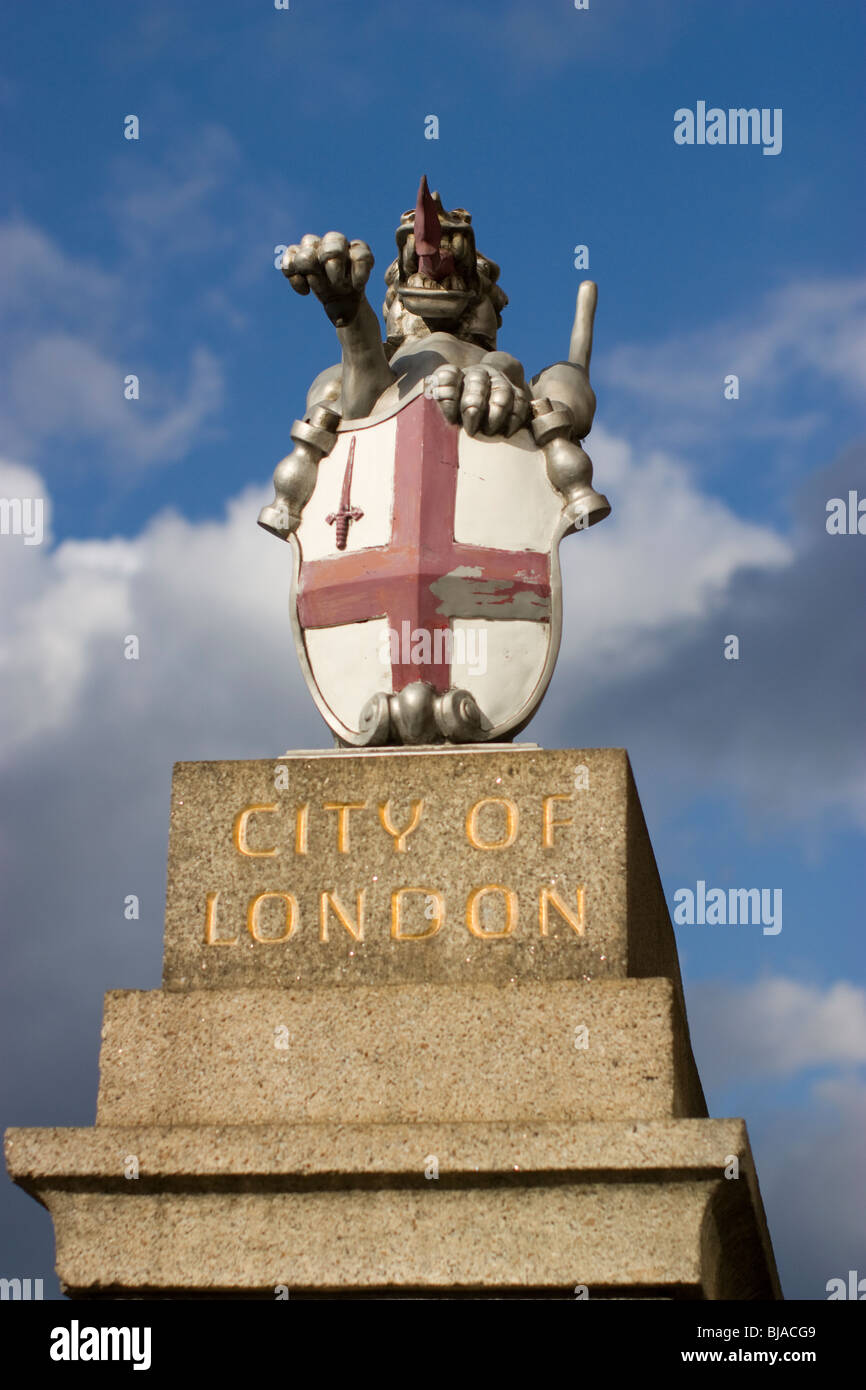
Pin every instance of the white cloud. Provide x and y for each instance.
(648, 607)
(811, 332)
(777, 1027)
(810, 1164)
(41, 282)
(65, 384)
(649, 597)
(208, 602)
(197, 200)
(665, 559)
(672, 554)
(167, 208)
(760, 1042)
(60, 386)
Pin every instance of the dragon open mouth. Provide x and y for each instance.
(438, 274)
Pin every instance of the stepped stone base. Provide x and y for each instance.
(421, 1034)
(412, 1053)
(620, 1210)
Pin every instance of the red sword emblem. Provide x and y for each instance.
(347, 513)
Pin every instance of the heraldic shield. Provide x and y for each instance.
(426, 601)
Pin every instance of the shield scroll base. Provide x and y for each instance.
(418, 714)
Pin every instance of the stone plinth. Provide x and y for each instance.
(522, 864)
(421, 1033)
(637, 1210)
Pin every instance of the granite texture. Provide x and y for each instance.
(605, 851)
(392, 1053)
(626, 1209)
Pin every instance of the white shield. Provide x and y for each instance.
(428, 555)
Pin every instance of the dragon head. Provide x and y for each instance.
(439, 282)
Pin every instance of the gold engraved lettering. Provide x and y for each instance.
(343, 808)
(473, 911)
(329, 902)
(210, 924)
(302, 816)
(239, 834)
(512, 818)
(253, 917)
(436, 918)
(400, 836)
(550, 898)
(549, 823)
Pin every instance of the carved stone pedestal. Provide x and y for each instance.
(421, 1033)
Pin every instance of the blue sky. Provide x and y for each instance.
(156, 257)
